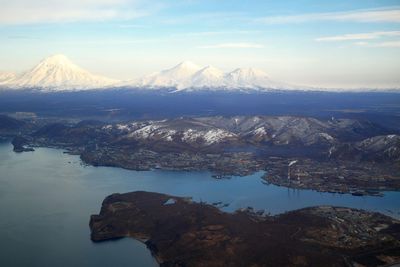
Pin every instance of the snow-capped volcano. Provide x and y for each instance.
(5, 77)
(58, 72)
(254, 78)
(177, 77)
(208, 76)
(188, 76)
(247, 77)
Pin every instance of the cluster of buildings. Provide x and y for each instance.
(356, 178)
(349, 228)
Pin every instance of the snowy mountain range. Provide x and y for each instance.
(188, 76)
(57, 73)
(332, 138)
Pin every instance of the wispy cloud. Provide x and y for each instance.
(232, 45)
(133, 26)
(370, 39)
(97, 42)
(22, 37)
(364, 15)
(53, 11)
(210, 18)
(216, 33)
(388, 44)
(358, 36)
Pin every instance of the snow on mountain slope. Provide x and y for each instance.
(183, 130)
(178, 76)
(378, 148)
(187, 76)
(208, 76)
(247, 77)
(255, 78)
(5, 77)
(209, 137)
(58, 72)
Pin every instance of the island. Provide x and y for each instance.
(180, 232)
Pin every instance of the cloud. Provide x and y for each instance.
(99, 42)
(388, 44)
(54, 11)
(361, 43)
(22, 37)
(133, 26)
(216, 33)
(375, 37)
(232, 45)
(363, 15)
(358, 36)
(207, 18)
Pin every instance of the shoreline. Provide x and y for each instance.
(275, 170)
(214, 234)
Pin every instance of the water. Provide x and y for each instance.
(46, 198)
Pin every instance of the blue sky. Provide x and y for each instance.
(319, 43)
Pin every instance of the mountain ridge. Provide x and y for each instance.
(58, 73)
(187, 76)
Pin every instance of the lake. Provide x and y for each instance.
(47, 197)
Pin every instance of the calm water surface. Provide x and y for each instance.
(46, 198)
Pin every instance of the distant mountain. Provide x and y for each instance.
(253, 78)
(188, 76)
(177, 77)
(58, 73)
(6, 77)
(208, 76)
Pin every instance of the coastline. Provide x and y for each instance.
(146, 213)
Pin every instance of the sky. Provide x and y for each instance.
(342, 43)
